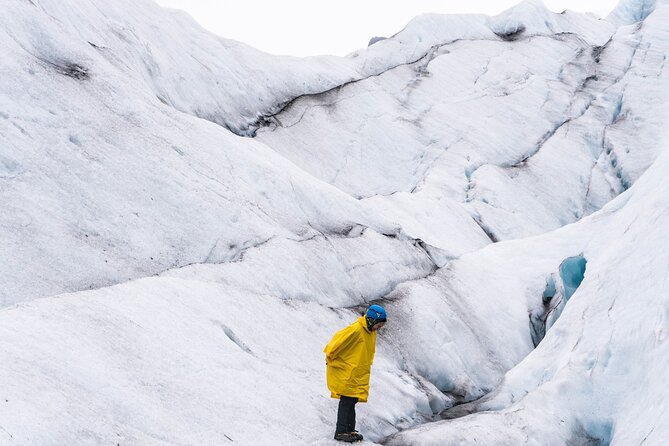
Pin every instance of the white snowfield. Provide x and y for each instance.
(187, 221)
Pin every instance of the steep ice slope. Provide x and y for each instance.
(628, 12)
(96, 168)
(598, 375)
(527, 129)
(93, 138)
(86, 83)
(173, 361)
(186, 67)
(103, 180)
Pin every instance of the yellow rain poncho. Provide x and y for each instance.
(349, 356)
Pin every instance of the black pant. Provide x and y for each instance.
(346, 414)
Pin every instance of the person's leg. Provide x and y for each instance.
(351, 415)
(346, 415)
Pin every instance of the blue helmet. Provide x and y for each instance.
(374, 315)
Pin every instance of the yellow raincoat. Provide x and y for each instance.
(349, 356)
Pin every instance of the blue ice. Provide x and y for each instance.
(572, 271)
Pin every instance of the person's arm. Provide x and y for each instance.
(339, 342)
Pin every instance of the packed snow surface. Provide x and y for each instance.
(187, 221)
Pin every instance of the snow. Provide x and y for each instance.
(581, 373)
(187, 221)
(628, 12)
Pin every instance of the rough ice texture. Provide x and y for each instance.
(232, 209)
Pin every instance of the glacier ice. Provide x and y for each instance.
(186, 220)
(550, 290)
(572, 270)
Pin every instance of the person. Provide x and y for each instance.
(349, 356)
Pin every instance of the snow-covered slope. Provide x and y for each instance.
(526, 133)
(104, 182)
(232, 209)
(598, 375)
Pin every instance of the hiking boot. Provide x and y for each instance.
(348, 437)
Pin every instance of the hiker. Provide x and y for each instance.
(349, 356)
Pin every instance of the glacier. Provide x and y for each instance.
(187, 220)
